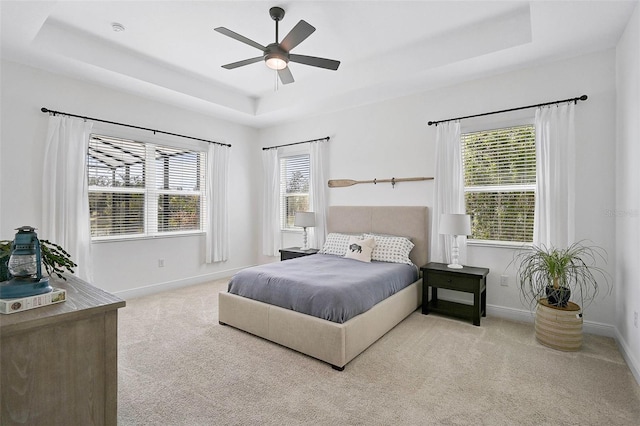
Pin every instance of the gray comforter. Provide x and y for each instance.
(325, 286)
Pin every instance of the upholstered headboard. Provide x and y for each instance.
(405, 221)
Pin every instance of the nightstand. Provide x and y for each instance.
(293, 252)
(468, 279)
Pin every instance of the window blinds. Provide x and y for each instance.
(178, 190)
(500, 177)
(294, 188)
(138, 189)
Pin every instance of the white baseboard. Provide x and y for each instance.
(633, 363)
(601, 329)
(172, 285)
(589, 327)
(512, 314)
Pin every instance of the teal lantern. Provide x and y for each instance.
(25, 267)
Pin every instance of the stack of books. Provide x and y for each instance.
(11, 306)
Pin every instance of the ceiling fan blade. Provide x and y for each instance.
(243, 63)
(297, 35)
(315, 62)
(236, 36)
(285, 76)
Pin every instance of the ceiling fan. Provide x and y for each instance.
(276, 55)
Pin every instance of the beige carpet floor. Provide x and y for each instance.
(178, 366)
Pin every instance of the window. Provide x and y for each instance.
(499, 179)
(141, 189)
(294, 188)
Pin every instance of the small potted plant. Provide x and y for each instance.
(549, 277)
(54, 258)
(556, 274)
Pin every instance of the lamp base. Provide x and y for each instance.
(16, 288)
(455, 251)
(305, 246)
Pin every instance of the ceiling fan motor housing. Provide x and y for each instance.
(274, 51)
(277, 13)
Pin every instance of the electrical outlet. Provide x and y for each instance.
(160, 263)
(635, 319)
(504, 280)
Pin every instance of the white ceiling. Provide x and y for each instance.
(169, 51)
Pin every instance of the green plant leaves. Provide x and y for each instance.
(574, 267)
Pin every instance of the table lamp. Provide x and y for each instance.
(456, 225)
(305, 220)
(25, 266)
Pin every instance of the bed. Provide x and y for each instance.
(334, 342)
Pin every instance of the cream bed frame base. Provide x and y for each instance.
(335, 343)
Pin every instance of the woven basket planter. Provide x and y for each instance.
(559, 328)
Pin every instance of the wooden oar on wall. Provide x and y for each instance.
(341, 183)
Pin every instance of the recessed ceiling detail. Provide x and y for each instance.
(387, 48)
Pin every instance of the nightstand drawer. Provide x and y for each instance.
(452, 282)
(285, 255)
(293, 252)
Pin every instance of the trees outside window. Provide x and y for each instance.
(500, 179)
(141, 189)
(294, 188)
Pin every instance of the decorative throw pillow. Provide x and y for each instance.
(336, 244)
(360, 249)
(390, 248)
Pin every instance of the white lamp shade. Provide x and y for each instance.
(455, 224)
(305, 219)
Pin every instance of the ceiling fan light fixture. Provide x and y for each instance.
(276, 62)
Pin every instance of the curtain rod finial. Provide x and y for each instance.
(583, 97)
(43, 109)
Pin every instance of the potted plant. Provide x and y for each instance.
(556, 274)
(54, 258)
(549, 277)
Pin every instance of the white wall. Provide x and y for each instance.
(382, 140)
(120, 267)
(627, 205)
(392, 139)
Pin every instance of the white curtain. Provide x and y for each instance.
(318, 155)
(217, 239)
(270, 203)
(65, 215)
(555, 176)
(448, 194)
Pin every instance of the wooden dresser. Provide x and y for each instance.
(59, 363)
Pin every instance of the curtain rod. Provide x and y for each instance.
(46, 110)
(575, 100)
(326, 138)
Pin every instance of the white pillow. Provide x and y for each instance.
(360, 249)
(390, 248)
(336, 244)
